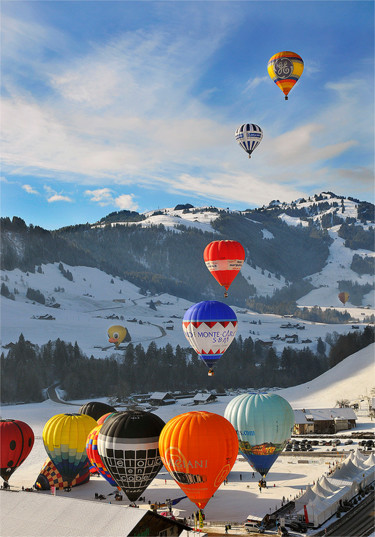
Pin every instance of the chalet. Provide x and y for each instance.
(265, 343)
(162, 398)
(324, 420)
(200, 398)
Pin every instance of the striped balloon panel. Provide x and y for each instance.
(94, 457)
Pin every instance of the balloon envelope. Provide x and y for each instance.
(94, 457)
(50, 477)
(224, 260)
(96, 409)
(102, 419)
(16, 442)
(285, 68)
(128, 445)
(116, 334)
(249, 137)
(64, 437)
(343, 297)
(264, 423)
(210, 327)
(199, 450)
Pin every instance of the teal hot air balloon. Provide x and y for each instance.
(264, 423)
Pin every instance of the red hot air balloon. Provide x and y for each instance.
(224, 260)
(17, 440)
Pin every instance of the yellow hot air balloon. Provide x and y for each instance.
(285, 68)
(343, 297)
(64, 437)
(116, 334)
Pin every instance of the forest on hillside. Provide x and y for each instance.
(27, 370)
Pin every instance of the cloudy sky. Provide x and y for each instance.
(133, 105)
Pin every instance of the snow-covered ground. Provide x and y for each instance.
(233, 502)
(94, 301)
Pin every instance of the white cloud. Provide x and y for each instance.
(105, 196)
(125, 201)
(102, 196)
(29, 189)
(253, 83)
(59, 197)
(126, 113)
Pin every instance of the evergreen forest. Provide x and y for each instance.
(27, 370)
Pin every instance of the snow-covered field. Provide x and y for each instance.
(351, 379)
(94, 301)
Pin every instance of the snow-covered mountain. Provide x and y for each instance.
(95, 275)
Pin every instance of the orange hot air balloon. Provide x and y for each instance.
(224, 260)
(199, 450)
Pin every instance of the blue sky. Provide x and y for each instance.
(133, 105)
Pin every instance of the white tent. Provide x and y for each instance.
(321, 491)
(356, 459)
(349, 472)
(307, 496)
(326, 483)
(370, 461)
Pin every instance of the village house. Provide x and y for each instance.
(162, 398)
(200, 398)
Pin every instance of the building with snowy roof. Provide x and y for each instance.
(323, 420)
(162, 398)
(35, 514)
(202, 397)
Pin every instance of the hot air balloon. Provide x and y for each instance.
(128, 447)
(249, 137)
(64, 437)
(16, 442)
(94, 457)
(224, 260)
(199, 450)
(285, 68)
(102, 419)
(96, 409)
(343, 297)
(210, 327)
(116, 334)
(50, 477)
(264, 423)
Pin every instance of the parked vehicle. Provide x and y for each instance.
(253, 527)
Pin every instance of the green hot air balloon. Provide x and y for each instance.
(264, 423)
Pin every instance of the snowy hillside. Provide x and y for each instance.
(93, 301)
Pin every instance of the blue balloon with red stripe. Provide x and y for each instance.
(210, 327)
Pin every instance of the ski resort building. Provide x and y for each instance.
(323, 421)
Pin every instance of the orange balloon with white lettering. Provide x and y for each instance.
(199, 450)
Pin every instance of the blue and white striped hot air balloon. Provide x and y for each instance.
(210, 327)
(264, 423)
(249, 137)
